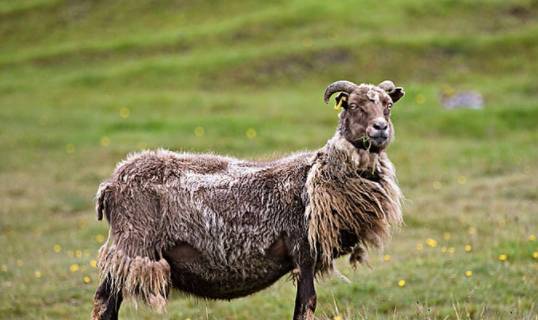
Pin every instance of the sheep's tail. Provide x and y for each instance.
(130, 263)
(102, 198)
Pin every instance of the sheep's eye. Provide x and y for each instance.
(389, 105)
(353, 106)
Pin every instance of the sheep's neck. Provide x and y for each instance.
(343, 200)
(343, 155)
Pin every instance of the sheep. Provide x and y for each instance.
(218, 227)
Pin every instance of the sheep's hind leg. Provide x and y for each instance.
(106, 304)
(305, 301)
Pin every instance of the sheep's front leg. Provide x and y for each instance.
(305, 300)
(106, 304)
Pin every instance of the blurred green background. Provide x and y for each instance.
(83, 83)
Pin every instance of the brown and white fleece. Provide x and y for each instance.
(232, 212)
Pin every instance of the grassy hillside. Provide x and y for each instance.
(83, 83)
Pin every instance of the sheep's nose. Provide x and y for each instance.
(380, 125)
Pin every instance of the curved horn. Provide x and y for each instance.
(338, 86)
(387, 85)
(393, 91)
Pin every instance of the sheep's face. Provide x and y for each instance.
(365, 118)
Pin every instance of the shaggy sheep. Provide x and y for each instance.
(220, 228)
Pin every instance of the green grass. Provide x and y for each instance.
(69, 70)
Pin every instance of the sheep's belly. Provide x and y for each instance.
(193, 274)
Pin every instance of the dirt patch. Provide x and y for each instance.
(521, 13)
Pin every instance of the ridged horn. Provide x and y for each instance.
(387, 85)
(338, 86)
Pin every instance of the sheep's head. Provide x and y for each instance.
(365, 118)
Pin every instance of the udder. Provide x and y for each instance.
(194, 274)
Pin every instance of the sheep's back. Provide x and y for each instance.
(228, 208)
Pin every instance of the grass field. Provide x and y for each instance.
(83, 83)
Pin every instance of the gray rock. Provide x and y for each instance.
(462, 100)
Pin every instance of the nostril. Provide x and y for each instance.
(380, 125)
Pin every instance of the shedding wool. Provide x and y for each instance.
(138, 277)
(339, 188)
(341, 198)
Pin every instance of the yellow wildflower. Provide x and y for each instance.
(503, 257)
(105, 141)
(468, 273)
(37, 274)
(70, 148)
(199, 131)
(420, 99)
(93, 263)
(86, 279)
(74, 267)
(401, 283)
(338, 317)
(100, 238)
(468, 248)
(124, 112)
(82, 224)
(451, 250)
(57, 248)
(431, 242)
(448, 90)
(250, 133)
(386, 257)
(535, 254)
(532, 237)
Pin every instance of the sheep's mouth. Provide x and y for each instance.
(378, 139)
(372, 142)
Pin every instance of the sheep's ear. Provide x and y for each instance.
(397, 94)
(341, 99)
(394, 92)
